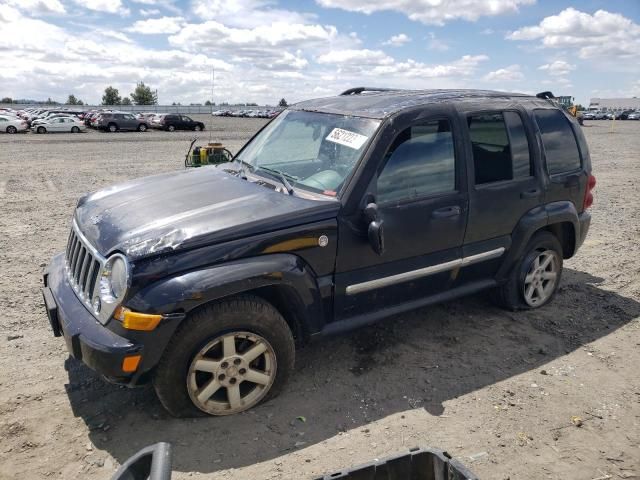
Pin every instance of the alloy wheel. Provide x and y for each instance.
(541, 279)
(231, 373)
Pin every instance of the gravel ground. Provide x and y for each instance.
(553, 393)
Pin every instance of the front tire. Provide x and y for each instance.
(75, 130)
(534, 281)
(197, 128)
(142, 127)
(41, 130)
(225, 358)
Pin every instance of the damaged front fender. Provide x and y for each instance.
(187, 291)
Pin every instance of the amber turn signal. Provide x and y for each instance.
(137, 321)
(130, 364)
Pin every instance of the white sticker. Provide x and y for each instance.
(347, 138)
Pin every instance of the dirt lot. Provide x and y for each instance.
(498, 390)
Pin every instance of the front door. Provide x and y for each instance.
(421, 196)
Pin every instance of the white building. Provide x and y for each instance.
(614, 104)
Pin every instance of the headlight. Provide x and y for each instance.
(114, 280)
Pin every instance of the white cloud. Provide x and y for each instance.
(247, 13)
(434, 12)
(38, 7)
(602, 34)
(398, 40)
(106, 6)
(512, 73)
(376, 63)
(149, 12)
(267, 46)
(162, 25)
(557, 68)
(437, 44)
(355, 58)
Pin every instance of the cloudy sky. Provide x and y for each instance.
(263, 50)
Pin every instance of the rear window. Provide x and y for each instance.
(560, 147)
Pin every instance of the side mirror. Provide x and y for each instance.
(376, 236)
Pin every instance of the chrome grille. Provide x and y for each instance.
(83, 265)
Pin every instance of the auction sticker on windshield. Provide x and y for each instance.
(345, 137)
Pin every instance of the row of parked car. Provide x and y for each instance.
(40, 120)
(624, 115)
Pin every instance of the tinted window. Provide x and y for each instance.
(420, 162)
(500, 147)
(560, 147)
(186, 119)
(520, 156)
(490, 146)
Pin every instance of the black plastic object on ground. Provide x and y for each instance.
(152, 463)
(417, 464)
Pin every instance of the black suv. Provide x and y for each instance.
(173, 121)
(337, 213)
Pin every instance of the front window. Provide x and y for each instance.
(314, 151)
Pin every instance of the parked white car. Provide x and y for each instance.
(60, 124)
(10, 124)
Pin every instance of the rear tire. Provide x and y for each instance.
(180, 380)
(112, 127)
(12, 129)
(171, 128)
(531, 285)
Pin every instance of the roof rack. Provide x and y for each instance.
(545, 95)
(359, 90)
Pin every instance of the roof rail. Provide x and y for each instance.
(545, 95)
(359, 90)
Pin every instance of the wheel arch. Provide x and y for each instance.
(559, 218)
(283, 280)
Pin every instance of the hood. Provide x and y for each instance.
(187, 209)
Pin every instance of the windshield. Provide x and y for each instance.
(313, 151)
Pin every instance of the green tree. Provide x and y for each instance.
(6, 100)
(111, 96)
(143, 95)
(126, 101)
(208, 103)
(283, 103)
(72, 100)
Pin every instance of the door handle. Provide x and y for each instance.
(445, 212)
(530, 193)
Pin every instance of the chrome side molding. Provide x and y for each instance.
(423, 272)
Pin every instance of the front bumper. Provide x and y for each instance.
(87, 339)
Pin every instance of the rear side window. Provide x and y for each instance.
(420, 162)
(500, 147)
(560, 147)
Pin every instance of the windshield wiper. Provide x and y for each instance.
(283, 178)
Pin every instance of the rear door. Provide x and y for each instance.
(504, 185)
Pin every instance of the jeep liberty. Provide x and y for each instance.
(337, 213)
